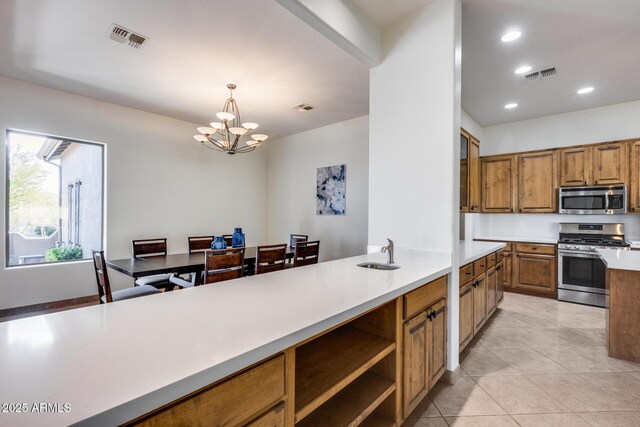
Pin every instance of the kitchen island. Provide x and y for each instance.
(623, 303)
(288, 347)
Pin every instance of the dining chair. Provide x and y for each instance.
(223, 264)
(104, 287)
(270, 258)
(293, 239)
(143, 248)
(195, 244)
(306, 253)
(199, 243)
(228, 239)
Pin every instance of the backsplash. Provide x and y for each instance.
(543, 226)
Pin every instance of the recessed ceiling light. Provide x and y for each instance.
(584, 90)
(511, 36)
(510, 106)
(523, 69)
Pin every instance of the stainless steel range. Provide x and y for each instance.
(581, 272)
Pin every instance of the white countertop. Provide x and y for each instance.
(519, 239)
(117, 361)
(635, 244)
(618, 259)
(471, 250)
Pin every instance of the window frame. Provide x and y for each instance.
(103, 147)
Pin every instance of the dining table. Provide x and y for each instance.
(176, 263)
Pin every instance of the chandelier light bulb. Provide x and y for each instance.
(216, 125)
(259, 137)
(225, 117)
(250, 126)
(200, 138)
(238, 131)
(252, 142)
(206, 130)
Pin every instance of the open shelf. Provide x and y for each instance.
(353, 404)
(328, 364)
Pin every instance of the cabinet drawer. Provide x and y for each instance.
(273, 418)
(491, 260)
(421, 298)
(499, 256)
(509, 246)
(466, 273)
(534, 248)
(231, 402)
(479, 266)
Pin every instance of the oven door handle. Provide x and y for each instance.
(579, 254)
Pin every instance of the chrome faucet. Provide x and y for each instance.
(389, 249)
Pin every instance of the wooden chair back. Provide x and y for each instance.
(149, 247)
(228, 239)
(270, 258)
(102, 278)
(223, 264)
(306, 253)
(294, 238)
(199, 243)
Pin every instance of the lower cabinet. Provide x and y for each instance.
(466, 314)
(479, 302)
(535, 268)
(416, 362)
(425, 345)
(274, 417)
(491, 279)
(500, 282)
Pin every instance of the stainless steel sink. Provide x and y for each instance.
(379, 266)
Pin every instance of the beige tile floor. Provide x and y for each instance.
(537, 362)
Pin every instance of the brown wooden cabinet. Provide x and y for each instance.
(499, 182)
(575, 166)
(474, 175)
(610, 163)
(535, 268)
(437, 341)
(274, 417)
(479, 303)
(537, 182)
(416, 371)
(500, 281)
(491, 280)
(466, 314)
(507, 261)
(634, 178)
(469, 173)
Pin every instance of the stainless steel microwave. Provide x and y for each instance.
(600, 200)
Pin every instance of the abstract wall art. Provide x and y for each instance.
(331, 184)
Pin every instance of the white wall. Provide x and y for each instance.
(159, 183)
(613, 122)
(414, 145)
(471, 126)
(293, 162)
(413, 131)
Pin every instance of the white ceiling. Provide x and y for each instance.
(195, 47)
(384, 12)
(591, 42)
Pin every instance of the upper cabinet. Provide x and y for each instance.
(575, 166)
(537, 182)
(634, 179)
(474, 175)
(469, 173)
(610, 163)
(499, 181)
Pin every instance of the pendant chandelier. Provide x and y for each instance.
(225, 135)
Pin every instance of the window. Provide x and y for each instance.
(55, 189)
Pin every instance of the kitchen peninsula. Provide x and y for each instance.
(623, 305)
(268, 343)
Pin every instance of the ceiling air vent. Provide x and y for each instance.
(547, 73)
(122, 35)
(302, 107)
